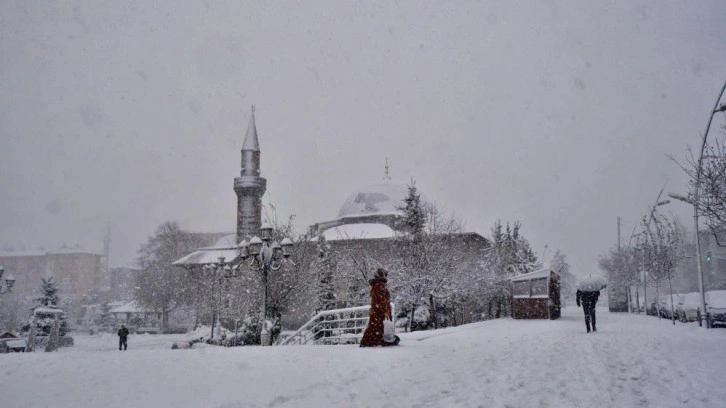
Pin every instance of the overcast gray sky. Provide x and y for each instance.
(556, 114)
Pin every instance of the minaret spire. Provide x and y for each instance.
(249, 186)
(251, 142)
(387, 176)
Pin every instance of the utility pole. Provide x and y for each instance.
(620, 272)
(618, 235)
(103, 280)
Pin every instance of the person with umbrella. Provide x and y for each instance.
(588, 292)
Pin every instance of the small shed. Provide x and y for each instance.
(536, 295)
(7, 335)
(132, 312)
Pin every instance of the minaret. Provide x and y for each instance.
(105, 282)
(249, 186)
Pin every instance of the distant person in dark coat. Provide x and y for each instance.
(380, 310)
(588, 300)
(123, 333)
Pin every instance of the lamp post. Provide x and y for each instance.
(9, 282)
(695, 199)
(262, 255)
(221, 271)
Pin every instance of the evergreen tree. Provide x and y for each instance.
(105, 320)
(413, 212)
(50, 296)
(49, 299)
(510, 255)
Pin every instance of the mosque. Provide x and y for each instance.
(363, 228)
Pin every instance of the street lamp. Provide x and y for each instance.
(221, 271)
(9, 282)
(694, 200)
(261, 255)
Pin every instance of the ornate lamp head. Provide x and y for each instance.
(276, 250)
(244, 249)
(266, 231)
(286, 247)
(255, 246)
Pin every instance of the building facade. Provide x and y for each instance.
(79, 275)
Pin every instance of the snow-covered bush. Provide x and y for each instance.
(49, 299)
(421, 318)
(249, 332)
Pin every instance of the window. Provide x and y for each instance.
(539, 287)
(521, 288)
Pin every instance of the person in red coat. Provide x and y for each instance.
(380, 310)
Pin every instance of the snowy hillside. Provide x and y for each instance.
(632, 361)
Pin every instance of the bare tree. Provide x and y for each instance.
(622, 266)
(12, 312)
(711, 201)
(560, 265)
(431, 257)
(158, 284)
(293, 280)
(663, 250)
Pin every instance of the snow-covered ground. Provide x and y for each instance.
(632, 361)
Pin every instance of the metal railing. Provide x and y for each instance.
(337, 326)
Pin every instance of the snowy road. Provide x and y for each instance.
(633, 361)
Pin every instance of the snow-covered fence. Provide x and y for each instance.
(337, 326)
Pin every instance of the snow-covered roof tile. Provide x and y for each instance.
(208, 256)
(377, 199)
(542, 273)
(358, 231)
(47, 310)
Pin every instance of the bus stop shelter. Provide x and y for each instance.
(536, 295)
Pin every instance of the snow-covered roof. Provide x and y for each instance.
(72, 250)
(131, 307)
(47, 310)
(208, 256)
(224, 247)
(358, 231)
(41, 252)
(9, 254)
(226, 242)
(689, 300)
(377, 199)
(542, 273)
(692, 300)
(716, 298)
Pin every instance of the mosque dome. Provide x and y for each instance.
(375, 200)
